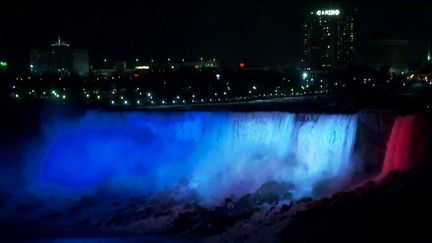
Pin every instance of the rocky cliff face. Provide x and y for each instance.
(374, 129)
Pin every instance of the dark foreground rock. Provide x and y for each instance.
(393, 211)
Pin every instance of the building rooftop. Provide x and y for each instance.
(60, 43)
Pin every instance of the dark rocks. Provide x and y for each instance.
(305, 200)
(391, 179)
(245, 205)
(229, 204)
(393, 210)
(84, 203)
(244, 237)
(99, 223)
(4, 197)
(51, 215)
(273, 191)
(84, 222)
(116, 220)
(188, 221)
(29, 207)
(285, 208)
(188, 206)
(209, 222)
(163, 213)
(130, 216)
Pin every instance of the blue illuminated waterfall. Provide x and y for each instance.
(220, 153)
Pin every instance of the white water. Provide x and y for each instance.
(220, 153)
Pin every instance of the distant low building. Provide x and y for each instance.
(201, 64)
(388, 54)
(119, 69)
(103, 73)
(59, 59)
(167, 66)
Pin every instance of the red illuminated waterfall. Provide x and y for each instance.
(406, 145)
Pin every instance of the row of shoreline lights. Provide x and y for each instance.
(178, 99)
(105, 60)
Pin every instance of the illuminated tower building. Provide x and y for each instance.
(59, 59)
(328, 39)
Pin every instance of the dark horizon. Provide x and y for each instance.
(264, 33)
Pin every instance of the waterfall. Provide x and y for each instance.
(220, 153)
(406, 145)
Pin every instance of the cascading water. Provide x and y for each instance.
(220, 153)
(406, 146)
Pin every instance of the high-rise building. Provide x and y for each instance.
(328, 39)
(59, 59)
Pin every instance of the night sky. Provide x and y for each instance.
(261, 32)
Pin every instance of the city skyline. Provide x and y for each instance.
(267, 33)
